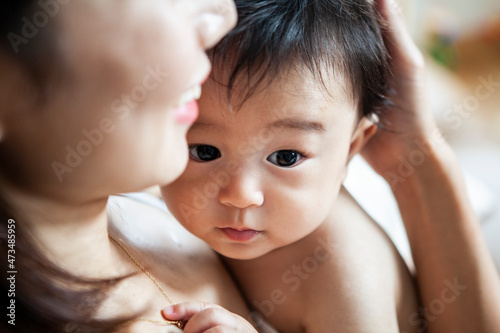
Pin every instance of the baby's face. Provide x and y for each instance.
(269, 173)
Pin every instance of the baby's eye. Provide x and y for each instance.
(285, 158)
(204, 153)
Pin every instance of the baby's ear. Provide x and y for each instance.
(364, 131)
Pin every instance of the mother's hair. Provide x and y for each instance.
(46, 298)
(24, 43)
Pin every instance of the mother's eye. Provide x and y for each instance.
(285, 158)
(204, 153)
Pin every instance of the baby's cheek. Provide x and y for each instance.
(188, 202)
(317, 205)
(174, 197)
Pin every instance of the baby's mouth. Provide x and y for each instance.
(240, 235)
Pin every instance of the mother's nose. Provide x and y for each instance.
(242, 191)
(214, 20)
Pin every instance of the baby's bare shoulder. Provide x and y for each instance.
(361, 280)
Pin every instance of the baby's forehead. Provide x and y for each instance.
(325, 85)
(297, 84)
(301, 92)
(297, 95)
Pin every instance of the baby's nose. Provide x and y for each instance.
(243, 191)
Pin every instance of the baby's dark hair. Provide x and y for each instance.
(274, 36)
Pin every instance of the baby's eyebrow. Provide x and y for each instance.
(299, 124)
(199, 124)
(289, 123)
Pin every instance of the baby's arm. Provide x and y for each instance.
(459, 285)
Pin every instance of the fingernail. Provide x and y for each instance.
(169, 310)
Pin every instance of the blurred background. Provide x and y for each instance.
(461, 41)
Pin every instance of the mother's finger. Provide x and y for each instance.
(397, 38)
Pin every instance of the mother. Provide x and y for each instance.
(96, 98)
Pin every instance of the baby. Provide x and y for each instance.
(293, 95)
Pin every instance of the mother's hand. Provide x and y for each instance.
(410, 119)
(208, 318)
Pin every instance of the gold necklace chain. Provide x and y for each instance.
(179, 323)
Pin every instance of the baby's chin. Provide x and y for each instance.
(241, 251)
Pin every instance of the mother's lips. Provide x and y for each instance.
(244, 235)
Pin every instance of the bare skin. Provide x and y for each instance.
(452, 262)
(324, 281)
(267, 214)
(182, 264)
